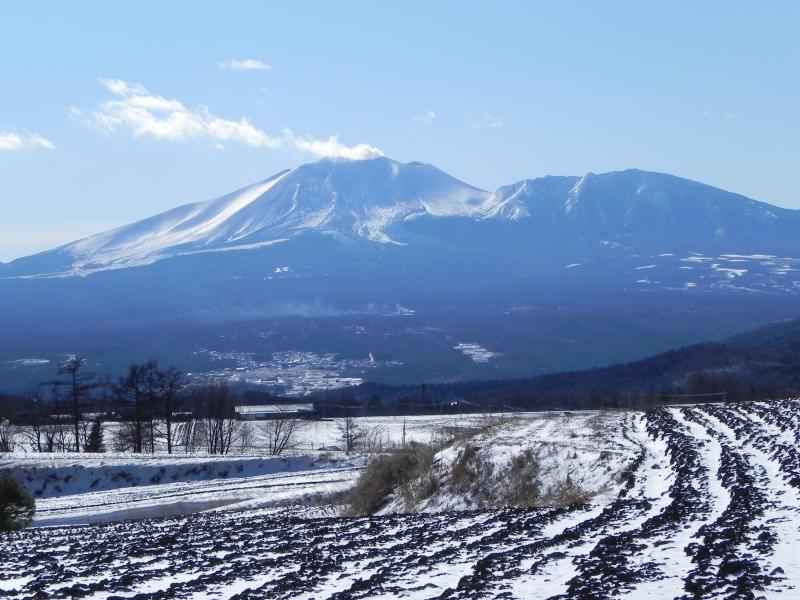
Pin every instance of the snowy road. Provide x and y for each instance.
(708, 509)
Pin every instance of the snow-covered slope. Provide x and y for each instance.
(342, 198)
(533, 460)
(636, 207)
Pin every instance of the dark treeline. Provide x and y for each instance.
(700, 373)
(155, 409)
(702, 386)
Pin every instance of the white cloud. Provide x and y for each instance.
(147, 115)
(485, 120)
(10, 140)
(332, 147)
(243, 64)
(424, 117)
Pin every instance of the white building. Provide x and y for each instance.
(274, 411)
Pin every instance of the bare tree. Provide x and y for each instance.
(148, 398)
(78, 384)
(218, 425)
(85, 433)
(170, 384)
(7, 432)
(51, 422)
(123, 437)
(105, 395)
(281, 434)
(49, 435)
(373, 439)
(350, 433)
(131, 391)
(34, 434)
(37, 421)
(150, 377)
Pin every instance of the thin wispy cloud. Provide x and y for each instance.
(24, 140)
(424, 117)
(717, 116)
(493, 122)
(147, 115)
(243, 64)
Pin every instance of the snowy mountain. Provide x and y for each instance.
(341, 198)
(383, 201)
(639, 207)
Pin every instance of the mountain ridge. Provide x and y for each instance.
(379, 200)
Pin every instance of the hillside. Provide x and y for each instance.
(758, 363)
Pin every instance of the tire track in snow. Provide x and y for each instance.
(619, 560)
(678, 477)
(727, 560)
(782, 511)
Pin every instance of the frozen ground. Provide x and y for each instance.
(706, 507)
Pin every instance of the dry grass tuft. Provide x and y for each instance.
(388, 473)
(521, 487)
(565, 493)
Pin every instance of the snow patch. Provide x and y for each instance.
(476, 352)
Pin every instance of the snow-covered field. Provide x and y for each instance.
(91, 488)
(695, 502)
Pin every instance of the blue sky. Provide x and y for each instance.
(110, 113)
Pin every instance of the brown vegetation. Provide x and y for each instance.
(391, 473)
